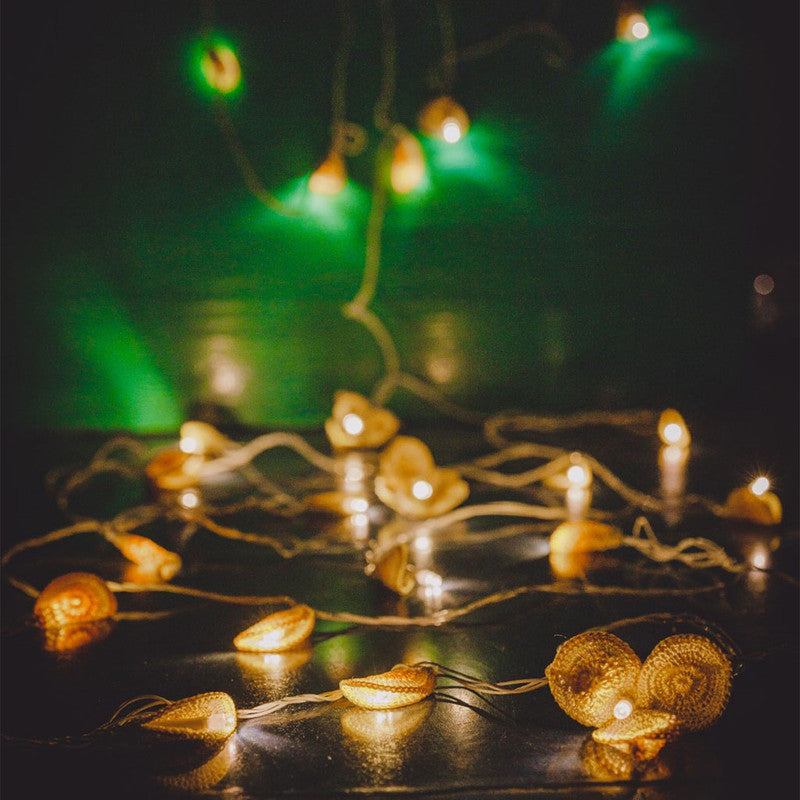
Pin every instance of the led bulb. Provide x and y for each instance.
(352, 424)
(444, 119)
(209, 717)
(760, 485)
(672, 429)
(632, 27)
(330, 176)
(579, 473)
(623, 709)
(221, 69)
(408, 165)
(422, 490)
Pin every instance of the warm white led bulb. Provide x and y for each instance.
(190, 499)
(673, 433)
(451, 130)
(422, 490)
(623, 709)
(359, 505)
(640, 30)
(760, 485)
(191, 444)
(576, 475)
(352, 424)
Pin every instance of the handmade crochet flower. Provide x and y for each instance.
(409, 481)
(598, 680)
(356, 423)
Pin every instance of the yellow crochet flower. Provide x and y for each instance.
(409, 481)
(598, 680)
(357, 424)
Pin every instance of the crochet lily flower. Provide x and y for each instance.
(409, 481)
(598, 680)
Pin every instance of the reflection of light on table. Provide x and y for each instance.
(672, 461)
(430, 585)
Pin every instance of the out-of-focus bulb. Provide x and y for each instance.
(623, 709)
(444, 119)
(330, 176)
(422, 490)
(352, 424)
(189, 499)
(632, 27)
(152, 557)
(672, 429)
(221, 69)
(358, 505)
(76, 597)
(190, 444)
(408, 165)
(579, 473)
(760, 485)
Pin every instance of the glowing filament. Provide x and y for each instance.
(623, 709)
(760, 485)
(672, 429)
(277, 632)
(408, 165)
(422, 490)
(330, 176)
(221, 69)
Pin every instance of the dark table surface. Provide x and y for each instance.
(525, 746)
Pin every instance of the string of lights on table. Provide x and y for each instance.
(396, 504)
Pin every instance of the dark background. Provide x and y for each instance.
(598, 251)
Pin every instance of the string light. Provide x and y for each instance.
(401, 686)
(76, 597)
(330, 177)
(408, 165)
(632, 26)
(444, 119)
(220, 68)
(356, 423)
(755, 502)
(280, 631)
(153, 558)
(672, 429)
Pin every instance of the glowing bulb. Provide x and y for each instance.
(221, 69)
(422, 490)
(76, 597)
(147, 554)
(401, 686)
(451, 130)
(408, 165)
(359, 505)
(764, 284)
(360, 520)
(576, 475)
(672, 429)
(444, 118)
(760, 485)
(623, 709)
(352, 424)
(423, 544)
(330, 176)
(632, 27)
(189, 499)
(190, 444)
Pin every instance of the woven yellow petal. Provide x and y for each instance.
(607, 762)
(209, 718)
(590, 673)
(401, 686)
(377, 425)
(277, 632)
(686, 675)
(584, 536)
(74, 597)
(642, 734)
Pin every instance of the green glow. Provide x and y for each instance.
(197, 52)
(335, 213)
(635, 66)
